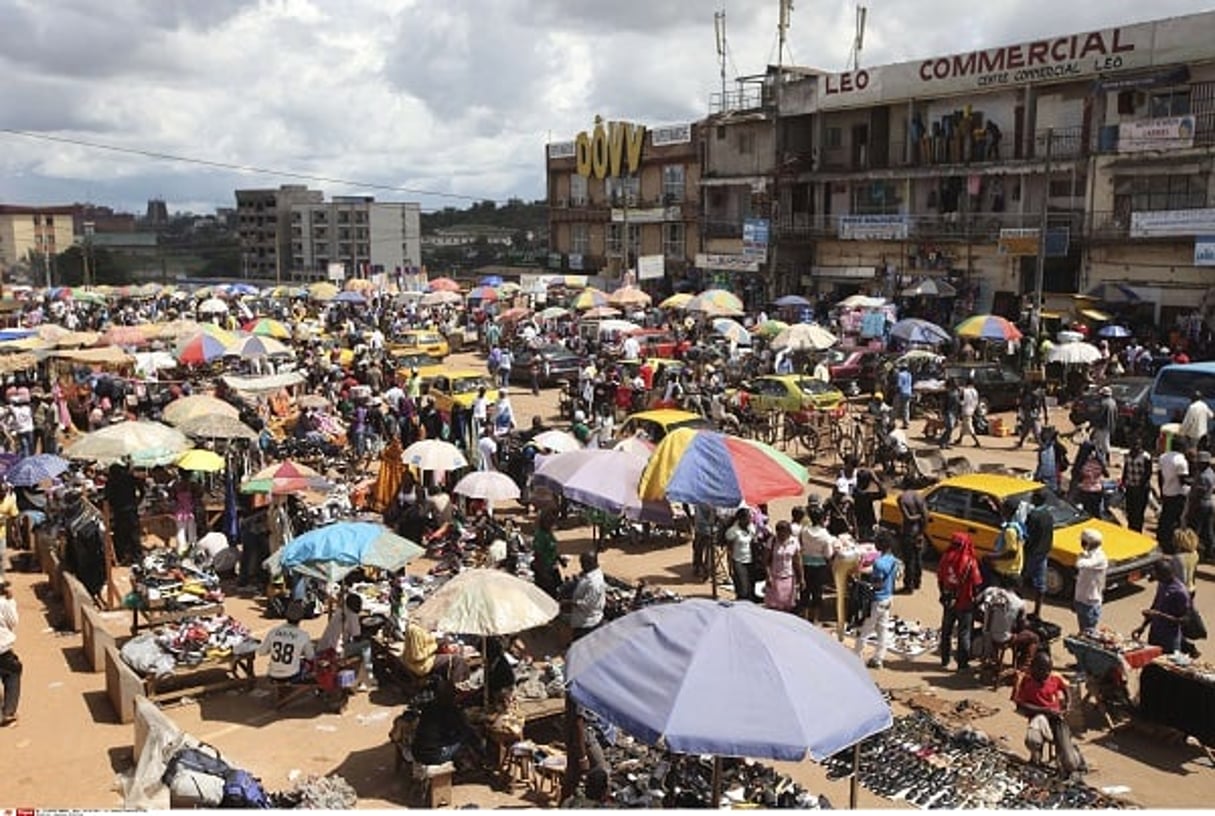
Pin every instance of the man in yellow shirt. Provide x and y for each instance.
(1007, 560)
(422, 658)
(8, 510)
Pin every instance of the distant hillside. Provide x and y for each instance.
(515, 214)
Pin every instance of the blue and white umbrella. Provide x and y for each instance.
(919, 332)
(36, 469)
(1114, 331)
(791, 300)
(331, 553)
(349, 297)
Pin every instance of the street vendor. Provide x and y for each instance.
(344, 635)
(1043, 696)
(423, 659)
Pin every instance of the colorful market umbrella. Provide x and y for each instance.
(553, 313)
(629, 296)
(706, 467)
(358, 285)
(491, 280)
(716, 303)
(676, 301)
(600, 312)
(142, 443)
(930, 287)
(202, 347)
(332, 552)
(589, 298)
(203, 461)
(987, 327)
(603, 479)
(915, 331)
(253, 347)
(804, 337)
(514, 314)
(732, 330)
(349, 297)
(196, 406)
(323, 291)
(771, 328)
(129, 336)
(36, 469)
(440, 298)
(443, 285)
(434, 454)
(483, 293)
(487, 485)
(269, 327)
(638, 446)
(284, 478)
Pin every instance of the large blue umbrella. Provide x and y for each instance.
(791, 300)
(729, 679)
(919, 332)
(491, 280)
(1114, 330)
(330, 553)
(36, 469)
(349, 297)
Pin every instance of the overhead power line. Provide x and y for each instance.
(242, 168)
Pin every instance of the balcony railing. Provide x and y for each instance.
(939, 151)
(939, 226)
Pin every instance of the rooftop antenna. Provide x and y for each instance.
(858, 43)
(782, 28)
(719, 32)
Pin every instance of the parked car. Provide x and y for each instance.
(423, 340)
(1131, 394)
(1174, 387)
(972, 504)
(999, 387)
(787, 392)
(428, 367)
(556, 363)
(451, 387)
(864, 368)
(658, 423)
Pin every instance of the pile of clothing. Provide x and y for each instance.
(190, 642)
(163, 580)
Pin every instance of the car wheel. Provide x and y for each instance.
(984, 407)
(1058, 580)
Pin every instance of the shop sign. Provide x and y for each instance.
(1204, 250)
(1165, 223)
(647, 215)
(840, 273)
(1172, 133)
(1088, 55)
(1018, 242)
(561, 150)
(670, 135)
(651, 267)
(337, 272)
(755, 238)
(554, 260)
(873, 227)
(575, 261)
(727, 263)
(609, 149)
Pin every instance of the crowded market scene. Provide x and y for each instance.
(476, 545)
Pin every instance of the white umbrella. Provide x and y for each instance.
(143, 443)
(440, 298)
(488, 485)
(1073, 353)
(557, 441)
(804, 337)
(256, 345)
(434, 454)
(212, 306)
(862, 302)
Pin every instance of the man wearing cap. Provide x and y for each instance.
(1091, 567)
(1200, 504)
(1104, 421)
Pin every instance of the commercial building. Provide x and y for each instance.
(625, 197)
(32, 233)
(263, 223)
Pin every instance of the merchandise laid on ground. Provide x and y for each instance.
(907, 638)
(928, 765)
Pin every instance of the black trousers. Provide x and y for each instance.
(10, 676)
(1136, 506)
(912, 545)
(1171, 509)
(126, 535)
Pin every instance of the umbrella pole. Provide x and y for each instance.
(485, 670)
(711, 556)
(716, 803)
(855, 783)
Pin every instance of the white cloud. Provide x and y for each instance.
(450, 97)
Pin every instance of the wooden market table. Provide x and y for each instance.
(1106, 671)
(238, 672)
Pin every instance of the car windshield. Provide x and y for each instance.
(812, 386)
(1064, 513)
(1129, 392)
(428, 338)
(466, 384)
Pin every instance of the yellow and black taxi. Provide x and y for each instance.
(787, 392)
(425, 341)
(971, 504)
(658, 423)
(452, 387)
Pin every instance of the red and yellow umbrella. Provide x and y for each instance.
(284, 478)
(719, 470)
(988, 327)
(268, 327)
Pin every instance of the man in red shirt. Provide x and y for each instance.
(1044, 697)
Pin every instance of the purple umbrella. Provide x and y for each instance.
(350, 297)
(36, 469)
(603, 479)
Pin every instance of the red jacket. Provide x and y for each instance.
(959, 573)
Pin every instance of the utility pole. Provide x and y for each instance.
(1036, 323)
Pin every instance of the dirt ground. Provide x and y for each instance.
(67, 748)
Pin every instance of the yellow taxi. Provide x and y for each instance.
(787, 392)
(971, 504)
(421, 340)
(658, 423)
(406, 361)
(451, 387)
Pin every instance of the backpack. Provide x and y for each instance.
(242, 790)
(196, 777)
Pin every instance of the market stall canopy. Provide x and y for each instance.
(662, 672)
(216, 426)
(770, 328)
(1075, 353)
(930, 287)
(149, 362)
(442, 297)
(264, 385)
(35, 470)
(556, 441)
(443, 285)
(322, 291)
(629, 296)
(253, 347)
(919, 332)
(553, 313)
(203, 461)
(804, 337)
(589, 298)
(107, 355)
(987, 327)
(268, 327)
(483, 293)
(332, 552)
(195, 406)
(212, 306)
(349, 297)
(605, 480)
(716, 303)
(676, 301)
(12, 363)
(706, 467)
(284, 478)
(486, 602)
(434, 454)
(732, 330)
(600, 312)
(142, 443)
(202, 347)
(131, 336)
(788, 301)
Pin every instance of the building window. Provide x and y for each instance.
(672, 183)
(875, 198)
(362, 250)
(344, 250)
(577, 190)
(580, 239)
(833, 138)
(1175, 192)
(50, 220)
(618, 188)
(746, 143)
(1170, 103)
(614, 239)
(321, 248)
(343, 217)
(673, 244)
(319, 217)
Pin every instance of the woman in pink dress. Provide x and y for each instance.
(785, 579)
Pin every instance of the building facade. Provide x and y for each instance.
(361, 234)
(263, 223)
(33, 233)
(625, 197)
(950, 166)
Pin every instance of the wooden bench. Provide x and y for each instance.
(96, 637)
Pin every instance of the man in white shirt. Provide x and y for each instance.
(589, 597)
(10, 664)
(487, 450)
(344, 634)
(822, 372)
(1171, 477)
(1197, 420)
(970, 404)
(504, 415)
(393, 396)
(1091, 567)
(288, 646)
(631, 348)
(480, 412)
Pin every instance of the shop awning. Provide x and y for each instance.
(106, 355)
(263, 385)
(1097, 315)
(24, 361)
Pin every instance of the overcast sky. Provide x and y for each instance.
(446, 96)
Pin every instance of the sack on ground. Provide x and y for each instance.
(196, 777)
(243, 790)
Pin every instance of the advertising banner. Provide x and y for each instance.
(1166, 223)
(650, 267)
(1018, 242)
(1204, 250)
(755, 238)
(873, 227)
(1173, 133)
(728, 263)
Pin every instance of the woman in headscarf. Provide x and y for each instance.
(958, 577)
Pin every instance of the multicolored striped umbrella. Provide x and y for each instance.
(677, 301)
(200, 348)
(590, 298)
(771, 328)
(716, 303)
(732, 330)
(36, 469)
(706, 467)
(284, 478)
(269, 327)
(483, 293)
(987, 327)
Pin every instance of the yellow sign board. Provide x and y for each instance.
(613, 149)
(1018, 242)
